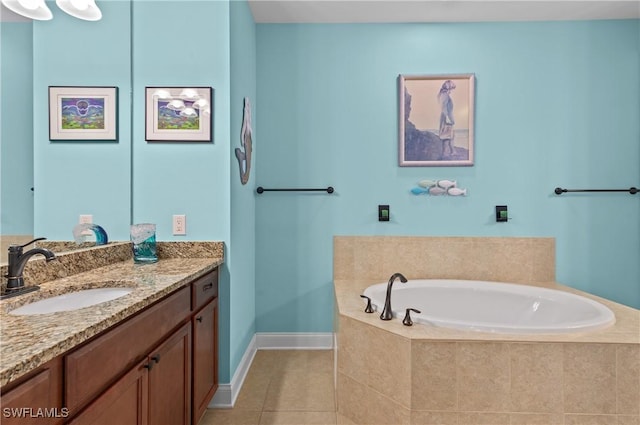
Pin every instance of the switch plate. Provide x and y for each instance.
(501, 213)
(179, 224)
(384, 213)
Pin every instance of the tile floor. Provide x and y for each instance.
(284, 387)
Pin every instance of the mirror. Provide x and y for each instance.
(46, 185)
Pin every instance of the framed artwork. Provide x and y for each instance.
(436, 120)
(83, 113)
(179, 114)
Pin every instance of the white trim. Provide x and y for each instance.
(226, 395)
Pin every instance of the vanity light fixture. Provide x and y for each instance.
(38, 10)
(176, 105)
(81, 9)
(188, 112)
(189, 94)
(32, 9)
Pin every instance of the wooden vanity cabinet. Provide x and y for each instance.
(154, 391)
(157, 367)
(36, 398)
(204, 324)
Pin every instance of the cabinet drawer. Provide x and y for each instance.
(204, 289)
(92, 367)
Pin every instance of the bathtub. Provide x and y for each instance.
(492, 307)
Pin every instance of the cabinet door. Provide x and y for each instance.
(124, 403)
(170, 380)
(205, 357)
(37, 400)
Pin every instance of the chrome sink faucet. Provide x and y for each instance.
(387, 313)
(17, 262)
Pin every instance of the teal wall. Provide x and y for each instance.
(73, 178)
(16, 132)
(559, 107)
(243, 204)
(557, 104)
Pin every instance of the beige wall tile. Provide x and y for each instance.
(483, 376)
(536, 377)
(388, 365)
(352, 343)
(433, 418)
(365, 406)
(478, 258)
(433, 377)
(589, 378)
(628, 379)
(537, 419)
(376, 358)
(573, 419)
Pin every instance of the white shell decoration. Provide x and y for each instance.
(427, 183)
(438, 187)
(456, 191)
(435, 190)
(446, 184)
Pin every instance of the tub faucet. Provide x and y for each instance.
(387, 314)
(17, 262)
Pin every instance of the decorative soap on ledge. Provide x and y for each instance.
(80, 231)
(438, 187)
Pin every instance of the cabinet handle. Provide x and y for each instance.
(156, 358)
(207, 287)
(148, 366)
(199, 319)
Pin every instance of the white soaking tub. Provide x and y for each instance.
(492, 306)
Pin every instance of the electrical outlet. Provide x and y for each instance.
(88, 219)
(179, 224)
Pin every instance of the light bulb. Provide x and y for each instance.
(189, 94)
(79, 4)
(32, 9)
(200, 103)
(31, 4)
(81, 9)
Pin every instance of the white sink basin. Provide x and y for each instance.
(71, 301)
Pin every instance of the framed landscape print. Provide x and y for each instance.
(436, 120)
(83, 113)
(179, 114)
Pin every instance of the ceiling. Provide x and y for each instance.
(360, 11)
(353, 11)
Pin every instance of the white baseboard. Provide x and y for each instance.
(226, 395)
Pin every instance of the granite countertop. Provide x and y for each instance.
(26, 342)
(626, 329)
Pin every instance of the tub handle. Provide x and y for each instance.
(407, 317)
(369, 308)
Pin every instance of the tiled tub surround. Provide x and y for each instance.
(27, 342)
(390, 373)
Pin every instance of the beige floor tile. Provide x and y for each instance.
(297, 390)
(230, 417)
(253, 392)
(343, 420)
(298, 418)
